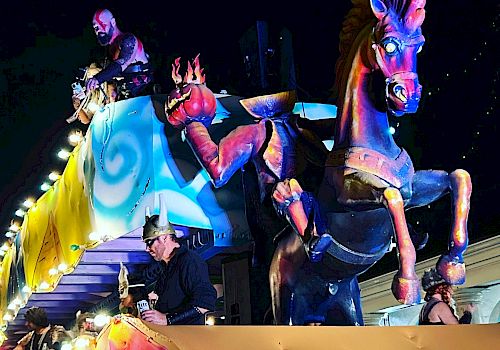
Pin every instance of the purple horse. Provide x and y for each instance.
(369, 180)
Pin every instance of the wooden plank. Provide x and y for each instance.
(64, 296)
(122, 244)
(67, 304)
(90, 288)
(89, 279)
(99, 269)
(95, 257)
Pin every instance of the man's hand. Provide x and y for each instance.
(92, 84)
(470, 308)
(155, 317)
(287, 192)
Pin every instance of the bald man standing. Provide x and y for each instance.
(128, 60)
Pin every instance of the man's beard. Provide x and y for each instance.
(105, 38)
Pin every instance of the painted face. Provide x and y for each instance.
(103, 24)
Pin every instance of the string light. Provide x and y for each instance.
(20, 213)
(63, 154)
(28, 203)
(45, 187)
(101, 320)
(54, 176)
(14, 227)
(75, 137)
(44, 285)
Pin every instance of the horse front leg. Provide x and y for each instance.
(405, 285)
(451, 265)
(428, 186)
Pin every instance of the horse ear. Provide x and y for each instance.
(378, 8)
(416, 19)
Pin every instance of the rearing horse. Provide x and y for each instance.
(369, 180)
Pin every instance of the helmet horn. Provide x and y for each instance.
(163, 219)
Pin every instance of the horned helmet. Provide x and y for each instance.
(157, 225)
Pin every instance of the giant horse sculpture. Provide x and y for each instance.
(369, 180)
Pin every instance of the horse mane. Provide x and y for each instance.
(358, 17)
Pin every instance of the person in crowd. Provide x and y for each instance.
(84, 332)
(184, 290)
(42, 335)
(439, 306)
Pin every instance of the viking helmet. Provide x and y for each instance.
(157, 225)
(431, 278)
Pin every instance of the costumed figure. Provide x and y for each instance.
(440, 306)
(369, 180)
(127, 69)
(129, 294)
(277, 144)
(183, 287)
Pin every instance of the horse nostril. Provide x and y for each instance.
(400, 92)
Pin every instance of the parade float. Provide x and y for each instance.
(133, 152)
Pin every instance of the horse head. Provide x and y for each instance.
(396, 40)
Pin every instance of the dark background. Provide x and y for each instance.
(43, 43)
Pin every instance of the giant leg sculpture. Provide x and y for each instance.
(288, 257)
(430, 185)
(451, 265)
(406, 285)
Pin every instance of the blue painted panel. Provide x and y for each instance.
(132, 155)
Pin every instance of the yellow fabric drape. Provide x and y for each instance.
(4, 283)
(60, 218)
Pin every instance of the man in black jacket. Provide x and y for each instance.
(183, 287)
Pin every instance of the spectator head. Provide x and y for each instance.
(433, 283)
(36, 318)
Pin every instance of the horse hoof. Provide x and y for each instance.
(452, 269)
(406, 291)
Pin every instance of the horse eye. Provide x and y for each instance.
(390, 47)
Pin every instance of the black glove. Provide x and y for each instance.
(108, 73)
(184, 317)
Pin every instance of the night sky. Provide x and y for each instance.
(44, 43)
